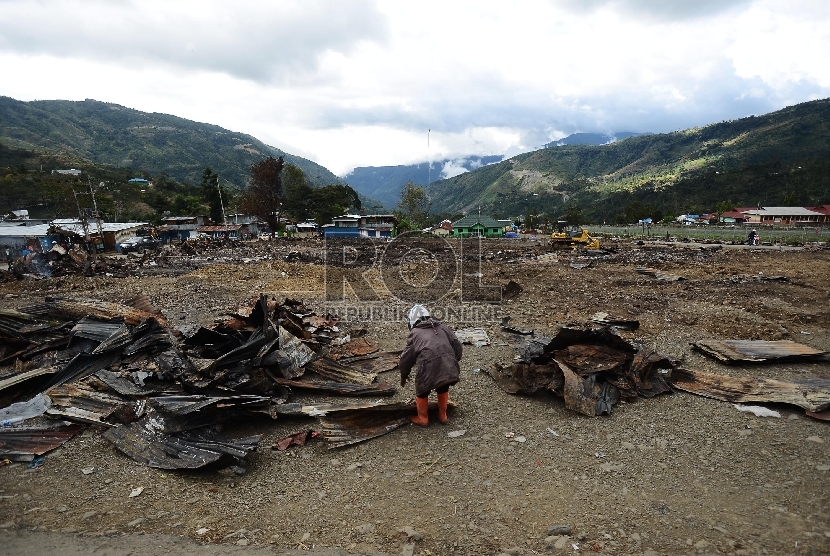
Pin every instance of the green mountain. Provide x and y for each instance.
(778, 159)
(154, 143)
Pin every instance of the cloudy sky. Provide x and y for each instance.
(369, 83)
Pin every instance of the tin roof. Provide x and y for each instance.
(783, 211)
(472, 220)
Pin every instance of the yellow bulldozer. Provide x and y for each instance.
(572, 236)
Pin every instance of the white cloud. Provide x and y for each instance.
(359, 83)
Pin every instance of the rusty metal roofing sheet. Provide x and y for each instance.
(19, 441)
(79, 308)
(755, 351)
(342, 388)
(342, 428)
(79, 402)
(337, 372)
(813, 394)
(374, 363)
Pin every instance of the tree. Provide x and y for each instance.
(212, 195)
(721, 207)
(299, 195)
(573, 215)
(333, 200)
(413, 207)
(264, 197)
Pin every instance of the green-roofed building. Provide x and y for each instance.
(477, 225)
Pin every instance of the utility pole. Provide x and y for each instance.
(221, 203)
(429, 161)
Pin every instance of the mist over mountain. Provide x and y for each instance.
(773, 159)
(777, 159)
(385, 182)
(592, 138)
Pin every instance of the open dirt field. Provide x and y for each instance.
(675, 474)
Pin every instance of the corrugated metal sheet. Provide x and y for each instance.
(591, 367)
(21, 377)
(342, 428)
(813, 394)
(97, 329)
(337, 372)
(19, 441)
(342, 388)
(184, 450)
(375, 363)
(756, 351)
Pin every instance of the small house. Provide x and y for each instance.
(477, 226)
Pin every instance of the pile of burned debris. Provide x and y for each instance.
(162, 393)
(592, 367)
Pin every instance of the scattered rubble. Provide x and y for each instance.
(163, 393)
(591, 367)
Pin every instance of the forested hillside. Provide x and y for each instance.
(154, 143)
(781, 158)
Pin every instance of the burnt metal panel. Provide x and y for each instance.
(81, 366)
(127, 387)
(616, 321)
(19, 378)
(183, 450)
(182, 405)
(337, 372)
(342, 428)
(21, 441)
(98, 329)
(79, 402)
(75, 309)
(592, 367)
(374, 363)
(813, 394)
(342, 388)
(757, 351)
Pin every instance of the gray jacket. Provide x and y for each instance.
(436, 350)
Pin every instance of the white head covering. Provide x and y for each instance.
(417, 312)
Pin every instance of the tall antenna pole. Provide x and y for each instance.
(429, 160)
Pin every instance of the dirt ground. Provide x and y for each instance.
(676, 474)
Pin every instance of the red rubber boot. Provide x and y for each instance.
(443, 400)
(423, 416)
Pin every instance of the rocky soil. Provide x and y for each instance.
(677, 474)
